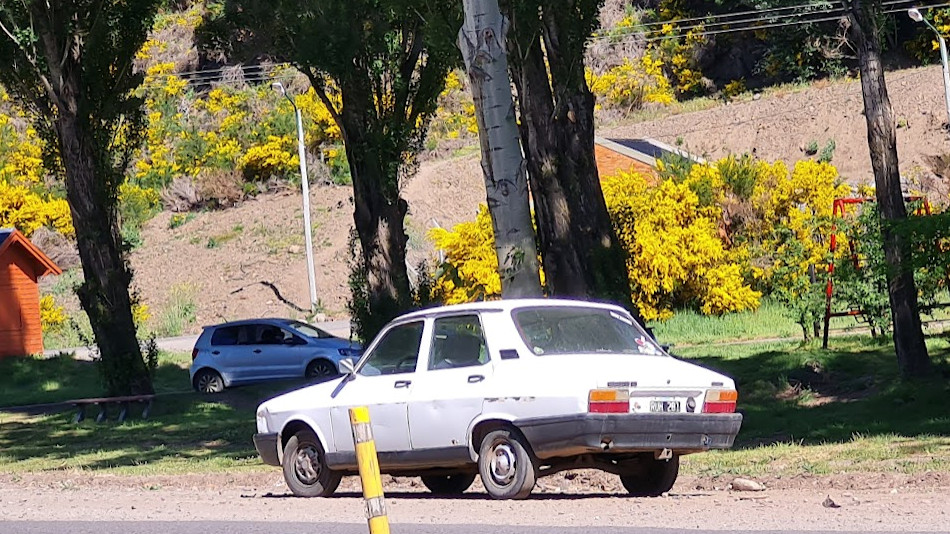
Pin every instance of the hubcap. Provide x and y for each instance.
(207, 383)
(307, 465)
(321, 369)
(503, 464)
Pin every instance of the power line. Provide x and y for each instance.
(709, 20)
(748, 27)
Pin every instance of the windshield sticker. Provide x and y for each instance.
(646, 347)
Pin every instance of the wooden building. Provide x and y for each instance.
(634, 155)
(21, 266)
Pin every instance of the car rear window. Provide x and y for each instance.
(581, 330)
(227, 335)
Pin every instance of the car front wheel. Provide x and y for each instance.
(320, 369)
(651, 478)
(449, 484)
(305, 468)
(505, 465)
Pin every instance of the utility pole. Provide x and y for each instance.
(482, 42)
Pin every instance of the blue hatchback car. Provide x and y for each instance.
(256, 350)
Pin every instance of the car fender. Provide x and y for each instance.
(491, 416)
(326, 443)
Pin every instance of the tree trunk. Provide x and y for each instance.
(379, 215)
(482, 41)
(104, 294)
(912, 358)
(581, 254)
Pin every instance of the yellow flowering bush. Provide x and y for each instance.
(27, 211)
(455, 115)
(52, 315)
(21, 154)
(678, 53)
(632, 84)
(675, 254)
(470, 271)
(276, 157)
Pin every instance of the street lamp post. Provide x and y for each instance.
(917, 16)
(305, 185)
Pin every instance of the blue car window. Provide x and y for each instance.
(225, 336)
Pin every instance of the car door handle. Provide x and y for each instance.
(216, 352)
(473, 379)
(402, 383)
(257, 351)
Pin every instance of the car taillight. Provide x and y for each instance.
(608, 401)
(194, 354)
(720, 401)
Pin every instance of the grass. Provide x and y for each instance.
(808, 410)
(178, 313)
(769, 321)
(35, 380)
(186, 432)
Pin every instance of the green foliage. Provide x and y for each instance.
(861, 278)
(802, 294)
(827, 152)
(365, 324)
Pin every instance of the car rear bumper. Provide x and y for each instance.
(620, 433)
(266, 445)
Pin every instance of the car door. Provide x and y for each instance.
(286, 353)
(382, 383)
(450, 392)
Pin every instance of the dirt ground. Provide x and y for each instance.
(222, 258)
(584, 498)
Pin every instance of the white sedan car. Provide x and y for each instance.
(508, 390)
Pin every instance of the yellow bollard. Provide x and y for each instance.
(369, 470)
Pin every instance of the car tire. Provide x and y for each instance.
(208, 381)
(506, 465)
(651, 478)
(449, 484)
(305, 468)
(321, 369)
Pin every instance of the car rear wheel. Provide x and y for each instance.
(208, 381)
(505, 465)
(449, 484)
(651, 478)
(321, 369)
(305, 468)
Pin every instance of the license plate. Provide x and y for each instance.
(665, 406)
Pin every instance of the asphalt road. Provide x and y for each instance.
(206, 527)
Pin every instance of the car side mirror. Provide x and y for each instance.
(348, 366)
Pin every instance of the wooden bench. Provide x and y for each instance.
(104, 402)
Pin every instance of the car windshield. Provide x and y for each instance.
(308, 330)
(581, 330)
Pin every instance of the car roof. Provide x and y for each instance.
(507, 305)
(276, 321)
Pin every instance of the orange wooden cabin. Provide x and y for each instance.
(21, 266)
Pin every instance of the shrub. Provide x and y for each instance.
(52, 315)
(632, 84)
(675, 255)
(28, 211)
(470, 269)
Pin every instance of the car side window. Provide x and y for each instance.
(396, 353)
(225, 336)
(265, 334)
(458, 342)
